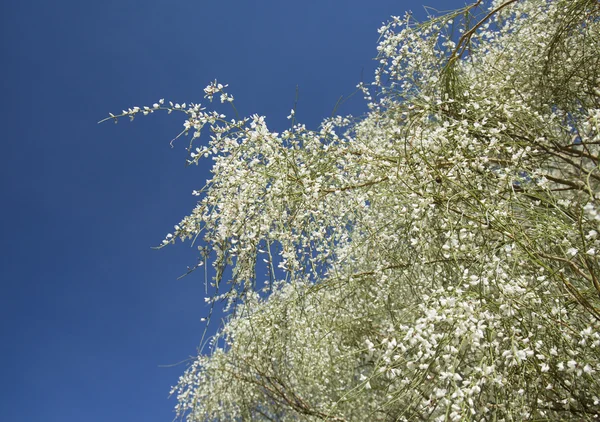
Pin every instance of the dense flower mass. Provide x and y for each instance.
(436, 259)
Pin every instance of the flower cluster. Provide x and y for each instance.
(435, 259)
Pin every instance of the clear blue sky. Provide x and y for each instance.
(88, 311)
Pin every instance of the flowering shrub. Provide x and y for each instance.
(436, 259)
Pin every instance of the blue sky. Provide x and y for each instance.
(90, 314)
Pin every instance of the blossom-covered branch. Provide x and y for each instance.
(435, 259)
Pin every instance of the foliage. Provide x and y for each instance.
(436, 259)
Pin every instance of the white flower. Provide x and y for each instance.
(404, 246)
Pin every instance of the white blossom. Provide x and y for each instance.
(425, 261)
